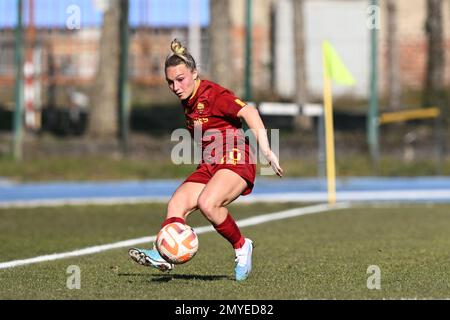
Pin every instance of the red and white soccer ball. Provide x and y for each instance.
(177, 243)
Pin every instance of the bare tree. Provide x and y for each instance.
(103, 121)
(434, 83)
(220, 42)
(300, 59)
(393, 69)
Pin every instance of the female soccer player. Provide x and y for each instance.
(227, 169)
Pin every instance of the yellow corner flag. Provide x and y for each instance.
(333, 69)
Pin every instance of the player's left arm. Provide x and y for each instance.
(252, 118)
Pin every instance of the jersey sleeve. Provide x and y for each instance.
(228, 105)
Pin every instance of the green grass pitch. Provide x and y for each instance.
(317, 256)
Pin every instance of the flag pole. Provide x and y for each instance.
(329, 132)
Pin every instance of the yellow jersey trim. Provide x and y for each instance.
(240, 102)
(197, 85)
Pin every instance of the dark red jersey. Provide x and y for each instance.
(212, 110)
(211, 114)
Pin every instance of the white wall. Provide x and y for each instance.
(284, 49)
(342, 23)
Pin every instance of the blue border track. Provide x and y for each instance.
(419, 189)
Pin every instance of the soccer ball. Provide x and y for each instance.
(177, 243)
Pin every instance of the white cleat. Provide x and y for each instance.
(244, 260)
(150, 258)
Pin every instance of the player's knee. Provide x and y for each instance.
(207, 205)
(177, 207)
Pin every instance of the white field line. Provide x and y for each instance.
(132, 242)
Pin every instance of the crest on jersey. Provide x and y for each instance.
(200, 107)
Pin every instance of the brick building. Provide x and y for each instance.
(412, 43)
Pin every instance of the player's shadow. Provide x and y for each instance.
(169, 277)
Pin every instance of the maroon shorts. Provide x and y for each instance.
(205, 172)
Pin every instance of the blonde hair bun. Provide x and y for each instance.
(177, 48)
(180, 55)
